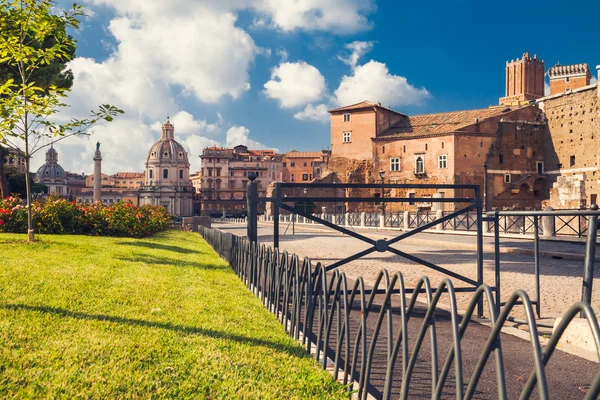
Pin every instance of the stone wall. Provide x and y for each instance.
(571, 148)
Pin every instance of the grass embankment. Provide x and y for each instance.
(161, 317)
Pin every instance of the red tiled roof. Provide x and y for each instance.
(261, 152)
(430, 124)
(128, 175)
(305, 154)
(362, 105)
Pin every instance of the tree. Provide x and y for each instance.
(17, 184)
(31, 39)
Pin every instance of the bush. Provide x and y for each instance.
(58, 215)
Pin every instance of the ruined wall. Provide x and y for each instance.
(571, 148)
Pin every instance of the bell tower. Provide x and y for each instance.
(524, 80)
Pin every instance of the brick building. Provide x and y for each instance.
(571, 151)
(568, 77)
(299, 166)
(443, 148)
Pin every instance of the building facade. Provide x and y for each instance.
(300, 166)
(225, 177)
(499, 148)
(166, 179)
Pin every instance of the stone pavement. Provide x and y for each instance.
(561, 279)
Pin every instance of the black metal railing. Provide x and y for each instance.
(364, 333)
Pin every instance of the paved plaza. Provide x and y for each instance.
(561, 279)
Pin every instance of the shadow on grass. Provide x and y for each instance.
(158, 246)
(154, 260)
(190, 330)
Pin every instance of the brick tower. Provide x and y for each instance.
(568, 77)
(524, 80)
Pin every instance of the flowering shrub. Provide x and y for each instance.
(58, 215)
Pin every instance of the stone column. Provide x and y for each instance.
(438, 215)
(548, 224)
(97, 175)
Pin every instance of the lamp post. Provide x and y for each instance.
(382, 176)
(485, 179)
(305, 200)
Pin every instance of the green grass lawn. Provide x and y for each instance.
(162, 317)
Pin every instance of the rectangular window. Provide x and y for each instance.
(443, 161)
(304, 177)
(507, 178)
(347, 137)
(165, 173)
(411, 196)
(292, 164)
(395, 164)
(305, 163)
(231, 173)
(347, 117)
(292, 177)
(501, 158)
(572, 161)
(540, 167)
(419, 164)
(284, 164)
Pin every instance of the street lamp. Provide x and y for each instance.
(382, 176)
(305, 201)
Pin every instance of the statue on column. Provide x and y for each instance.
(97, 146)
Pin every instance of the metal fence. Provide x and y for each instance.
(364, 333)
(564, 225)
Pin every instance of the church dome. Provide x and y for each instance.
(167, 149)
(51, 171)
(167, 165)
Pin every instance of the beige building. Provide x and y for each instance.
(225, 177)
(53, 175)
(167, 176)
(16, 161)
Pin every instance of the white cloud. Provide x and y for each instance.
(237, 135)
(314, 113)
(546, 89)
(338, 16)
(295, 84)
(593, 81)
(357, 49)
(373, 81)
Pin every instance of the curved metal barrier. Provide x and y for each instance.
(376, 339)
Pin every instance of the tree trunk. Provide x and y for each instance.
(3, 183)
(30, 234)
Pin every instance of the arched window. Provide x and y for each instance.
(150, 174)
(165, 173)
(180, 174)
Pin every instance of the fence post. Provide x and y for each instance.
(382, 220)
(406, 220)
(347, 217)
(362, 218)
(590, 258)
(548, 224)
(252, 196)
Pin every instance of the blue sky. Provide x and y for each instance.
(245, 71)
